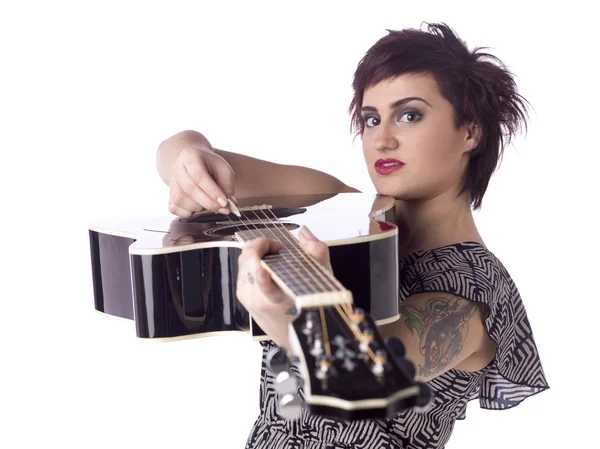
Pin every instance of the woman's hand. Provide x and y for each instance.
(269, 306)
(199, 180)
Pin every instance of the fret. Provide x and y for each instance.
(280, 234)
(298, 274)
(302, 276)
(290, 246)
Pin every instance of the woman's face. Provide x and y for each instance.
(411, 147)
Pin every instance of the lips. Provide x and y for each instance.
(387, 166)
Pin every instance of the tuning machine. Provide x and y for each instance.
(286, 383)
(424, 399)
(398, 352)
(289, 405)
(278, 361)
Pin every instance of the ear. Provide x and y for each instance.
(473, 137)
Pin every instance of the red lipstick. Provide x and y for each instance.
(387, 166)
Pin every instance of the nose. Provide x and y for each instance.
(384, 139)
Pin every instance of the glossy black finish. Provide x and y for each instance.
(370, 271)
(193, 292)
(186, 293)
(356, 382)
(178, 279)
(182, 292)
(111, 274)
(370, 413)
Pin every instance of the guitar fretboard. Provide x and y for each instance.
(301, 275)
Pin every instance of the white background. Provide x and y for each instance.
(89, 89)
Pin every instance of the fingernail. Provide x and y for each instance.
(306, 233)
(234, 200)
(224, 211)
(222, 201)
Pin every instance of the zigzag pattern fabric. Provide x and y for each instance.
(468, 270)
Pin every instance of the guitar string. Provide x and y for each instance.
(355, 330)
(266, 236)
(342, 312)
(317, 267)
(291, 252)
(345, 314)
(293, 244)
(307, 257)
(329, 278)
(250, 230)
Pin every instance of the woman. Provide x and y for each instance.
(434, 118)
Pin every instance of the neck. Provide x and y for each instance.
(436, 222)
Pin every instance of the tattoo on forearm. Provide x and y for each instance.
(250, 278)
(442, 325)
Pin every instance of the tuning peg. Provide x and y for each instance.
(324, 368)
(310, 323)
(357, 317)
(317, 344)
(398, 353)
(366, 339)
(379, 360)
(277, 360)
(425, 397)
(408, 367)
(285, 383)
(396, 346)
(290, 406)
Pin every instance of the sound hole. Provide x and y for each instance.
(230, 230)
(210, 217)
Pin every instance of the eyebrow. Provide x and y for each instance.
(396, 104)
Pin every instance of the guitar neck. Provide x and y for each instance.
(298, 274)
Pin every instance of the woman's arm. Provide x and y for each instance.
(441, 331)
(252, 177)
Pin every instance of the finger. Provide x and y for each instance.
(261, 246)
(266, 284)
(180, 212)
(224, 176)
(180, 199)
(203, 178)
(314, 247)
(194, 191)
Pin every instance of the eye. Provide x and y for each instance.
(372, 121)
(410, 116)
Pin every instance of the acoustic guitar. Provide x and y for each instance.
(176, 278)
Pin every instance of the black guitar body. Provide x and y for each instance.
(176, 278)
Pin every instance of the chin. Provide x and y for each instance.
(397, 193)
(388, 189)
(393, 193)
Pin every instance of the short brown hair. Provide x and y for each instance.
(478, 85)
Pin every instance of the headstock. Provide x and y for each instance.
(348, 371)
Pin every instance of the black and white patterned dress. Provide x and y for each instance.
(468, 270)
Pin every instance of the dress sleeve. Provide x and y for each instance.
(474, 273)
(516, 372)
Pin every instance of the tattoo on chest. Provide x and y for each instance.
(442, 325)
